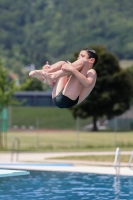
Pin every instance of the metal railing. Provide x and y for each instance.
(130, 160)
(14, 141)
(117, 161)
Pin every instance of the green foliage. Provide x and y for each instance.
(49, 117)
(37, 31)
(32, 85)
(113, 90)
(7, 88)
(130, 71)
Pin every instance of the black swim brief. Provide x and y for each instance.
(63, 101)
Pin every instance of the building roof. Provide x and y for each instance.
(33, 93)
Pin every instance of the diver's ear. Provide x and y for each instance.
(92, 60)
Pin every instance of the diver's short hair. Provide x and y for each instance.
(92, 54)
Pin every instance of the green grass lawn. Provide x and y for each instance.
(54, 141)
(98, 158)
(49, 117)
(65, 138)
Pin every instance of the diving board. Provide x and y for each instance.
(5, 173)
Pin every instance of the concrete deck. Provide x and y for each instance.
(27, 161)
(125, 171)
(42, 157)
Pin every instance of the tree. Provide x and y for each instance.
(130, 70)
(112, 93)
(7, 89)
(32, 84)
(37, 31)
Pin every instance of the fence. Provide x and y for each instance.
(3, 120)
(123, 124)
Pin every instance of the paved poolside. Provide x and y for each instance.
(27, 161)
(42, 157)
(125, 171)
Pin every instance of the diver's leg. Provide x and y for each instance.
(74, 87)
(52, 77)
(39, 73)
(59, 85)
(53, 68)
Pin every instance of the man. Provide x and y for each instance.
(72, 82)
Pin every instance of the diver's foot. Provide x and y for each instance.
(37, 74)
(48, 77)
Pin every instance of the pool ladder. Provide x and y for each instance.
(130, 161)
(117, 161)
(14, 141)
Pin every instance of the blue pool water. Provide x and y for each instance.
(66, 186)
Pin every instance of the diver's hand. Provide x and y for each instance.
(68, 67)
(46, 66)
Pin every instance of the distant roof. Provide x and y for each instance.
(126, 63)
(34, 93)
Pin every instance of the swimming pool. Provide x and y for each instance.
(42, 185)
